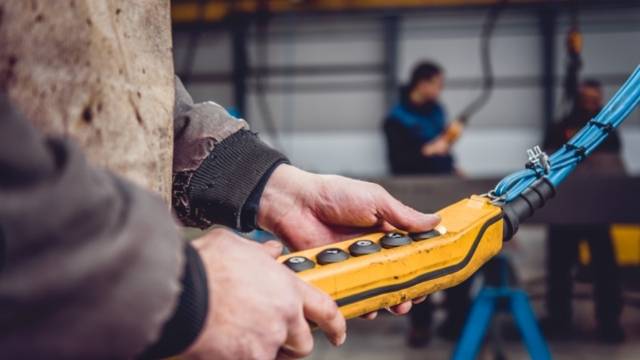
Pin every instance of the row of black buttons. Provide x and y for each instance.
(358, 248)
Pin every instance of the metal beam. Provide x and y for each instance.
(464, 83)
(185, 12)
(319, 70)
(391, 49)
(547, 23)
(240, 62)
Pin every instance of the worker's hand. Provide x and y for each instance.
(308, 210)
(258, 309)
(439, 146)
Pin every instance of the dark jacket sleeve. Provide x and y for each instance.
(219, 166)
(403, 151)
(91, 265)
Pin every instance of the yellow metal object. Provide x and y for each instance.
(584, 255)
(453, 132)
(626, 245)
(626, 242)
(471, 233)
(211, 11)
(574, 42)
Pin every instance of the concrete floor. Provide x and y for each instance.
(384, 338)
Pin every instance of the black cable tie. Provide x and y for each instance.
(581, 151)
(536, 168)
(606, 128)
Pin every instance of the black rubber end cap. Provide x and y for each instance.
(525, 205)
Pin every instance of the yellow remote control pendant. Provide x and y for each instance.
(379, 270)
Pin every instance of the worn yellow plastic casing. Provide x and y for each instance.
(471, 234)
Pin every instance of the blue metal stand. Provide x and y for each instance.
(485, 306)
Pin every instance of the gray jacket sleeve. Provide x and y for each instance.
(91, 264)
(220, 166)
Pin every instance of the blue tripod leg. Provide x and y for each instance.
(525, 318)
(476, 326)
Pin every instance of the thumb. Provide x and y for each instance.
(273, 248)
(403, 217)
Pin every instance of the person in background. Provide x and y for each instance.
(414, 126)
(563, 240)
(414, 131)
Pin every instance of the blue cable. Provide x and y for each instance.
(581, 145)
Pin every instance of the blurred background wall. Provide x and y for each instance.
(328, 79)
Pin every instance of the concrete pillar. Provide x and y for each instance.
(99, 72)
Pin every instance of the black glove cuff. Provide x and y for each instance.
(186, 323)
(249, 214)
(221, 186)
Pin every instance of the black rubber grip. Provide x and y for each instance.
(525, 205)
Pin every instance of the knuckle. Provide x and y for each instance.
(289, 309)
(266, 346)
(306, 348)
(377, 188)
(263, 352)
(329, 309)
(250, 349)
(276, 333)
(381, 189)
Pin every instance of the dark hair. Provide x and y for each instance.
(425, 70)
(592, 83)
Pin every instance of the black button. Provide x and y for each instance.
(363, 247)
(425, 235)
(394, 239)
(332, 255)
(299, 263)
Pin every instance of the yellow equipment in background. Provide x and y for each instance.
(379, 270)
(626, 245)
(194, 11)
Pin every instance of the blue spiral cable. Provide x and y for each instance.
(560, 164)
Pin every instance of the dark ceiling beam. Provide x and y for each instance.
(214, 18)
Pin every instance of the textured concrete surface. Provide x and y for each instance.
(99, 72)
